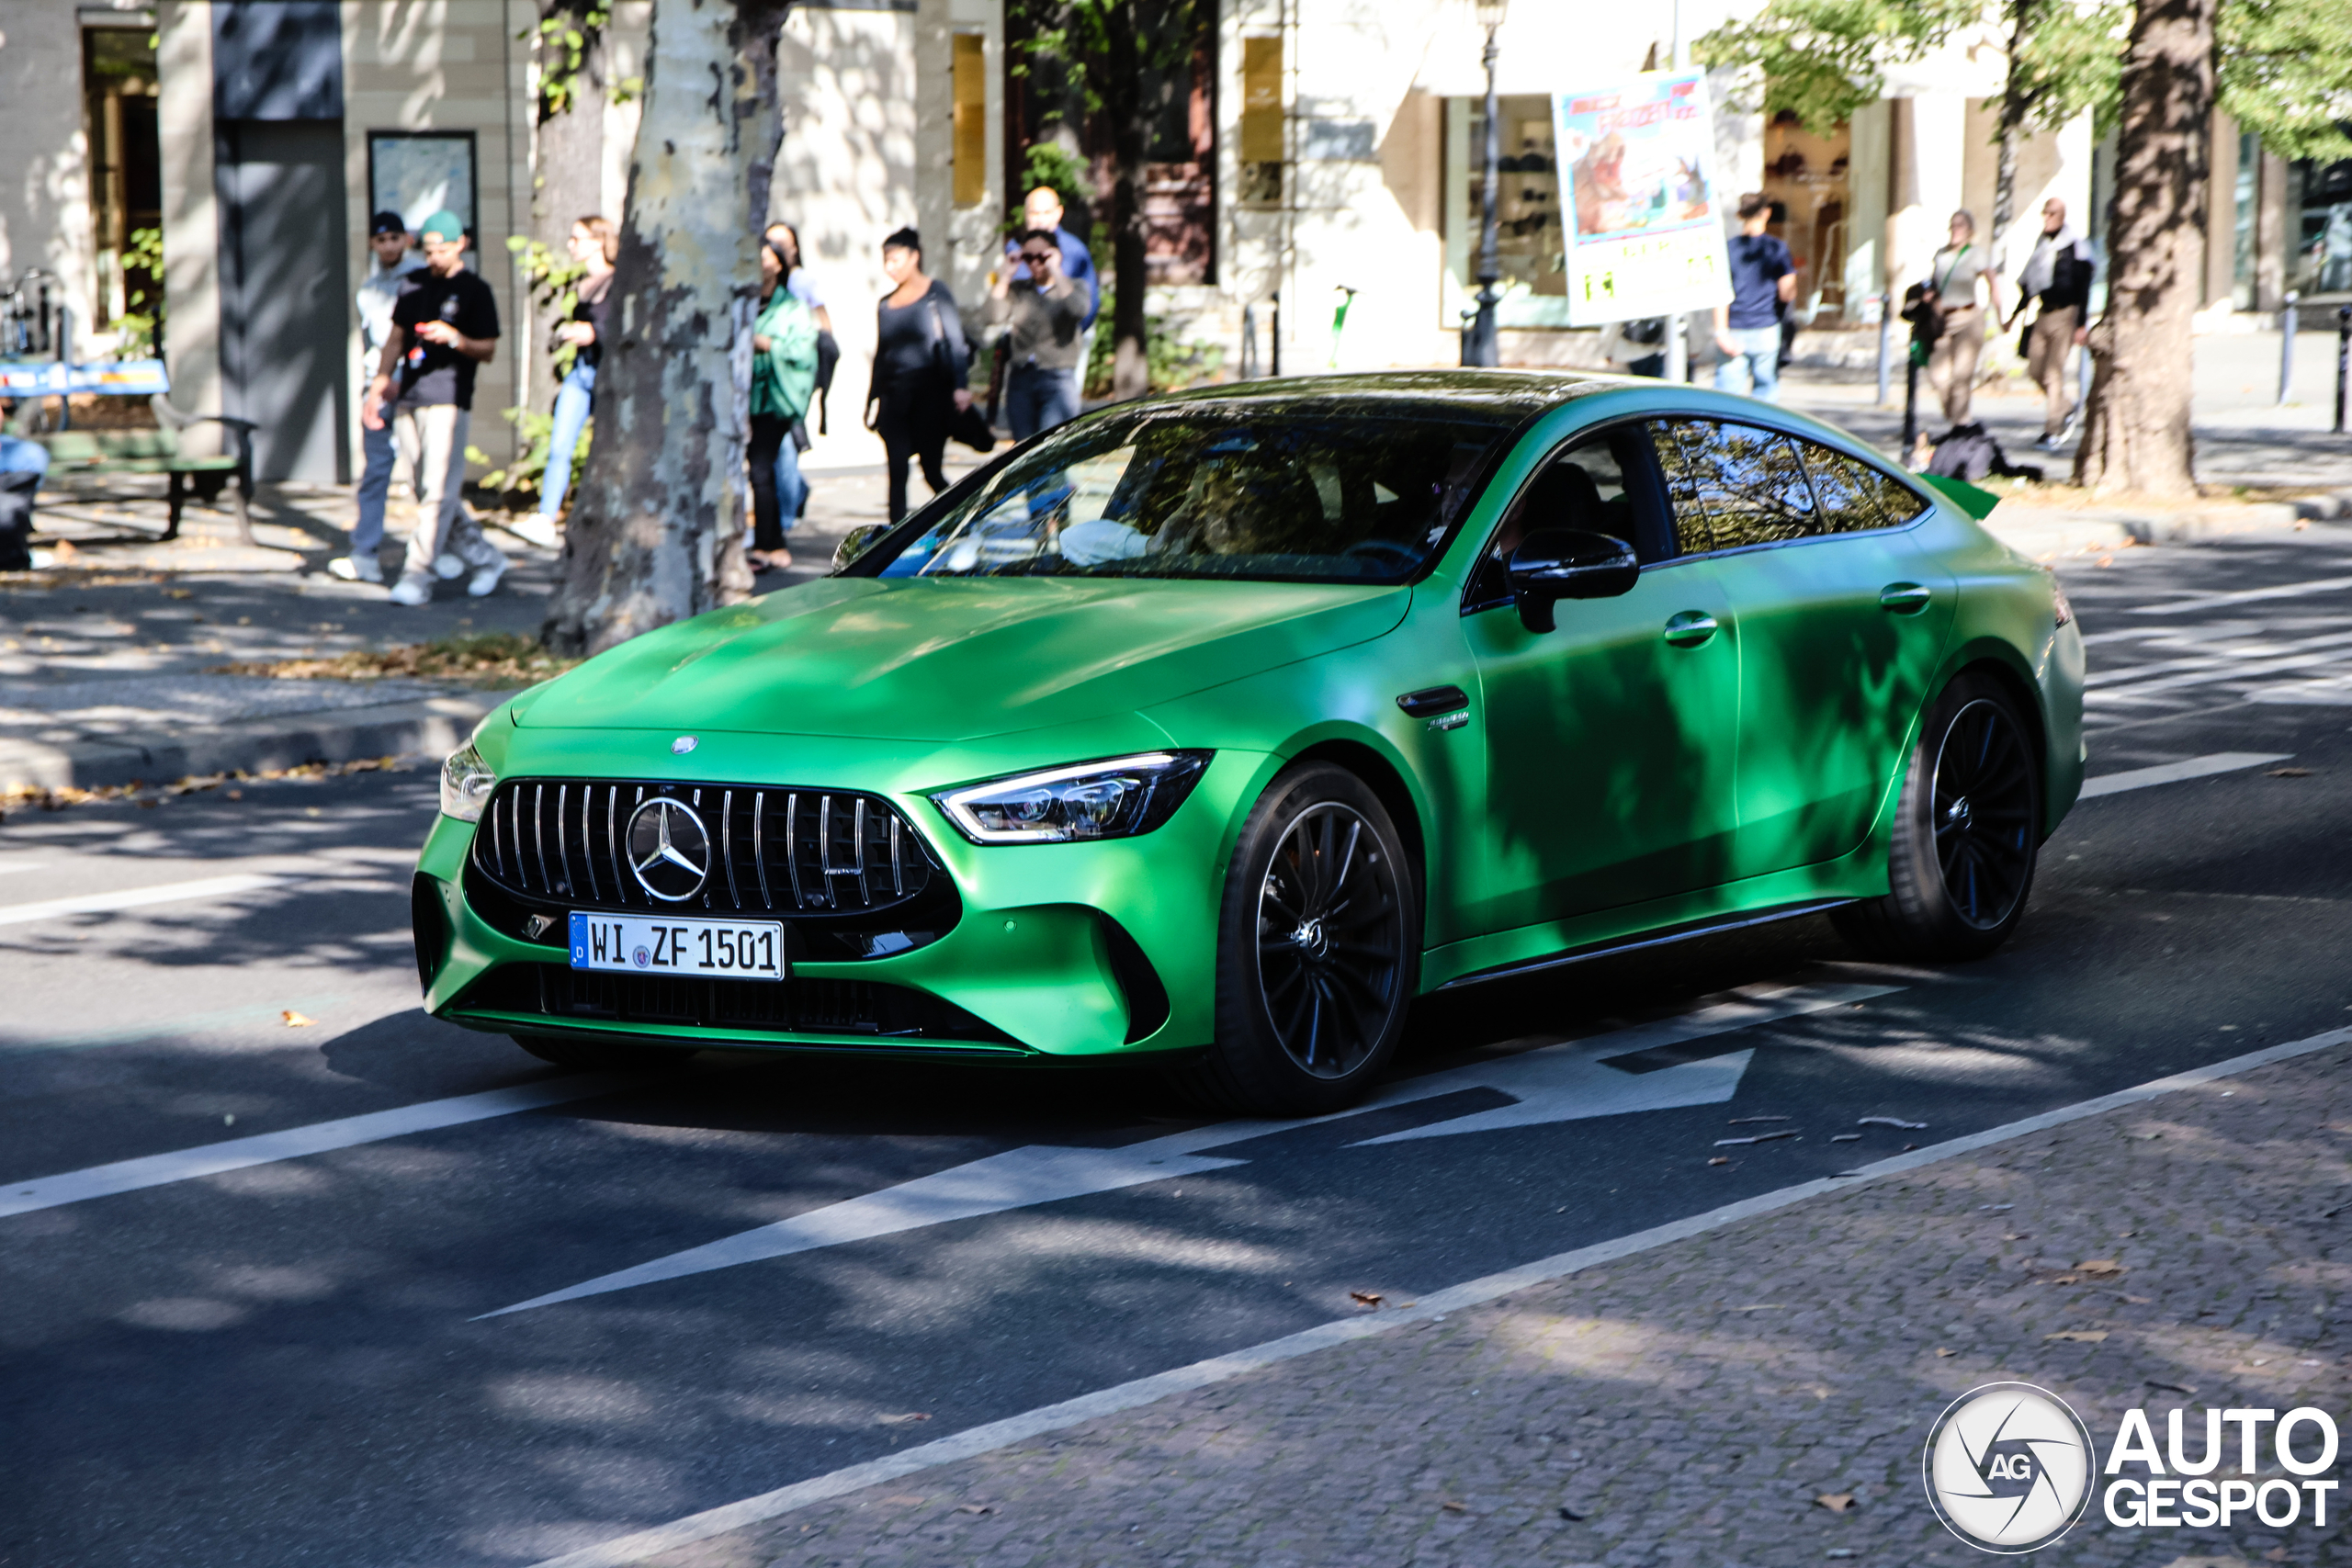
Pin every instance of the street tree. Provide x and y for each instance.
(1111, 52)
(576, 82)
(656, 534)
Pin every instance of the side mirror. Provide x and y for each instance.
(1567, 563)
(856, 542)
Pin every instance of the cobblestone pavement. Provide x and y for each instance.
(1713, 1400)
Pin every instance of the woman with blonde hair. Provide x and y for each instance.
(593, 245)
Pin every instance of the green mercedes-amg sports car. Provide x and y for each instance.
(1213, 729)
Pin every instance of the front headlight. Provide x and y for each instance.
(1114, 799)
(466, 783)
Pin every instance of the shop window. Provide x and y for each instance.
(1532, 242)
(2319, 218)
(1804, 175)
(971, 119)
(126, 186)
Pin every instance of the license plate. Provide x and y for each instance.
(732, 948)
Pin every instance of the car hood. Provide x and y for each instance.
(956, 658)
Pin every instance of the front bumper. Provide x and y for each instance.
(1061, 951)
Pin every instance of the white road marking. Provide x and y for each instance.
(2141, 692)
(136, 897)
(13, 865)
(2321, 690)
(633, 1548)
(2201, 655)
(2174, 772)
(2243, 596)
(294, 1142)
(1556, 1083)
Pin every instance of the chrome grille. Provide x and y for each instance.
(778, 850)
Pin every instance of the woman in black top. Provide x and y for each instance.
(920, 362)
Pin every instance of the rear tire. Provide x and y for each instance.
(1967, 837)
(602, 1055)
(1319, 946)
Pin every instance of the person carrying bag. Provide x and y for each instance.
(920, 361)
(783, 377)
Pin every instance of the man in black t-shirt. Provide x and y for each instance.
(444, 326)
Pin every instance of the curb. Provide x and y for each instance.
(426, 724)
(2042, 535)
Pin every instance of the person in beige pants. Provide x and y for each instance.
(1953, 279)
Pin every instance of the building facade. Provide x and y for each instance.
(1314, 152)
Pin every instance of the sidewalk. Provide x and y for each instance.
(1758, 1394)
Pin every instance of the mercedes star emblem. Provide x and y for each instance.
(682, 745)
(668, 849)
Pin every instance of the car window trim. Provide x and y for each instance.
(1661, 503)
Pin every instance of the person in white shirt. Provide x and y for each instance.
(396, 262)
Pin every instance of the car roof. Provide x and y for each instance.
(1490, 394)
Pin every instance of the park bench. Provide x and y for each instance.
(157, 451)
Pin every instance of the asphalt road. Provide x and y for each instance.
(289, 1362)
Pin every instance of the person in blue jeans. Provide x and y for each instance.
(397, 262)
(1763, 280)
(592, 244)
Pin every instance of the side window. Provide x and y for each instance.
(1585, 487)
(1854, 495)
(1732, 485)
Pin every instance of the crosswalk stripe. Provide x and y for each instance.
(136, 897)
(2175, 772)
(2243, 596)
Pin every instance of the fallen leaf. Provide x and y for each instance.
(2139, 1301)
(2100, 1267)
(902, 1420)
(1758, 1138)
(1844, 1138)
(295, 1019)
(236, 795)
(2079, 1336)
(1752, 1120)
(179, 593)
(2017, 1235)
(1720, 1159)
(1366, 1298)
(1451, 1506)
(1836, 1502)
(2181, 1389)
(1945, 1354)
(975, 1507)
(2288, 773)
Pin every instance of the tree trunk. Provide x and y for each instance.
(2136, 436)
(658, 533)
(2014, 103)
(1122, 106)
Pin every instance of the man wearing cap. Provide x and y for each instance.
(444, 325)
(395, 264)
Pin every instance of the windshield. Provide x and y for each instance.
(1209, 490)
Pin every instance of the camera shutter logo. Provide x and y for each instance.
(668, 849)
(2008, 1468)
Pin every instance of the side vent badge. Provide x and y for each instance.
(682, 745)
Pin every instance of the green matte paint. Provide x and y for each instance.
(1611, 779)
(1973, 500)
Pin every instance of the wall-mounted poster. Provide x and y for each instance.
(1645, 220)
(416, 173)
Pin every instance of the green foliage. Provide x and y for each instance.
(141, 325)
(553, 280)
(2286, 73)
(1168, 363)
(1825, 59)
(2069, 60)
(1051, 164)
(1082, 36)
(568, 31)
(536, 433)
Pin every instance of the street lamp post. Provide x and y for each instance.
(1478, 345)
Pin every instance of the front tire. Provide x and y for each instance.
(1319, 944)
(600, 1056)
(1967, 833)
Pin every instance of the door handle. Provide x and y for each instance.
(1904, 598)
(1690, 628)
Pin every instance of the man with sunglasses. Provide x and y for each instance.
(1045, 314)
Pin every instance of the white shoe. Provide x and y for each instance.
(356, 568)
(414, 590)
(538, 530)
(484, 582)
(447, 567)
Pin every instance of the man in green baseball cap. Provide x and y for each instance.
(443, 327)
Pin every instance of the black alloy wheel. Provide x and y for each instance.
(1983, 811)
(1966, 834)
(1319, 946)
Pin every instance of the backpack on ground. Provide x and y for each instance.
(1969, 452)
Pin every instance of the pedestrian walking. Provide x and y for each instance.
(395, 265)
(1763, 280)
(1041, 209)
(444, 326)
(920, 361)
(1957, 275)
(2058, 276)
(592, 245)
(829, 350)
(783, 377)
(1044, 314)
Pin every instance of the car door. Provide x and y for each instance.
(1841, 617)
(1612, 739)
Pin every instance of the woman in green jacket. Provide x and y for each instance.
(783, 376)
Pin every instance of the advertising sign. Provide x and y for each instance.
(1644, 220)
